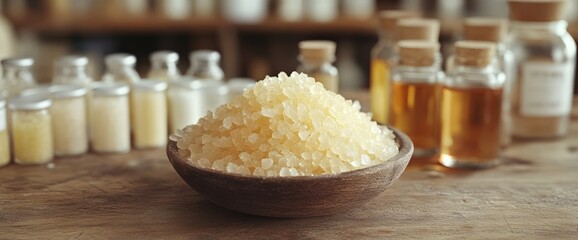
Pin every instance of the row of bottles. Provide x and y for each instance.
(74, 113)
(499, 85)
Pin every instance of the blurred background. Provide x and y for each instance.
(255, 37)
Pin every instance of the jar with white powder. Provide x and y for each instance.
(110, 118)
(69, 123)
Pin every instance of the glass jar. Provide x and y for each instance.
(494, 30)
(238, 85)
(150, 113)
(164, 66)
(17, 76)
(120, 68)
(316, 59)
(110, 118)
(205, 65)
(4, 142)
(545, 56)
(69, 119)
(381, 54)
(415, 95)
(72, 70)
(31, 129)
(471, 108)
(190, 100)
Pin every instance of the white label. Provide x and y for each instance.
(546, 89)
(2, 119)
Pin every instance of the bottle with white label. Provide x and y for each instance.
(545, 56)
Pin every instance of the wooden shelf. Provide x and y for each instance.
(93, 24)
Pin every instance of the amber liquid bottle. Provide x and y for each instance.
(471, 109)
(415, 95)
(545, 56)
(382, 56)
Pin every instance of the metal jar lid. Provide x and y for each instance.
(123, 59)
(18, 62)
(164, 56)
(205, 55)
(36, 90)
(72, 61)
(109, 89)
(66, 91)
(30, 102)
(194, 84)
(150, 85)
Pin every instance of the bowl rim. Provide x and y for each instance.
(404, 143)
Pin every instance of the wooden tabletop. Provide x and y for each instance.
(532, 195)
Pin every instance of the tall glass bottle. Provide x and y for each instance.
(471, 109)
(164, 66)
(17, 76)
(380, 68)
(415, 94)
(545, 56)
(494, 30)
(120, 68)
(72, 70)
(316, 59)
(205, 65)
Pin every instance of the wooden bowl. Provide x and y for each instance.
(294, 197)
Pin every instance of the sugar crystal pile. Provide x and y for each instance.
(287, 126)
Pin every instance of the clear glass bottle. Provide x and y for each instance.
(110, 118)
(120, 68)
(72, 70)
(545, 56)
(381, 53)
(205, 65)
(415, 95)
(17, 76)
(4, 142)
(471, 109)
(69, 119)
(164, 66)
(316, 59)
(31, 129)
(494, 30)
(150, 113)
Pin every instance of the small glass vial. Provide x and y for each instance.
(164, 66)
(494, 30)
(415, 95)
(69, 119)
(72, 70)
(110, 118)
(120, 68)
(205, 65)
(190, 100)
(471, 109)
(316, 58)
(150, 113)
(381, 54)
(17, 76)
(31, 129)
(4, 142)
(545, 57)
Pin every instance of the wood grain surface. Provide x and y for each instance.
(532, 195)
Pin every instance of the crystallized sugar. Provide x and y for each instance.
(287, 126)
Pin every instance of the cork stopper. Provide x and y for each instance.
(536, 10)
(317, 50)
(417, 53)
(475, 53)
(417, 29)
(485, 29)
(387, 19)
